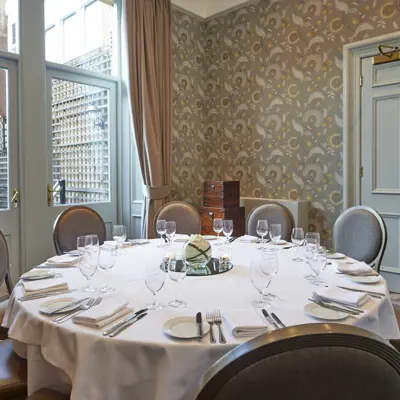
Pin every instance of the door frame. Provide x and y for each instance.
(353, 53)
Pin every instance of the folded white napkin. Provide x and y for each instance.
(344, 296)
(45, 286)
(109, 310)
(247, 239)
(360, 268)
(181, 238)
(244, 323)
(65, 260)
(114, 243)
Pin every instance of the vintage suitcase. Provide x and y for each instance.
(236, 214)
(221, 194)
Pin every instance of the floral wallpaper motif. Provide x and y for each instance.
(272, 98)
(188, 109)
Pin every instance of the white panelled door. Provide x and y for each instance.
(380, 154)
(9, 167)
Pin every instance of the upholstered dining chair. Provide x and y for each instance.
(77, 221)
(187, 218)
(311, 361)
(360, 233)
(274, 213)
(48, 394)
(5, 277)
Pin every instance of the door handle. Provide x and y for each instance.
(59, 187)
(15, 198)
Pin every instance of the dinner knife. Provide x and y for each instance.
(363, 291)
(274, 316)
(123, 327)
(199, 323)
(124, 321)
(269, 319)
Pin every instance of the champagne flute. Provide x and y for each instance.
(107, 257)
(218, 226)
(260, 281)
(171, 231)
(177, 272)
(262, 230)
(275, 233)
(154, 280)
(161, 227)
(297, 239)
(227, 227)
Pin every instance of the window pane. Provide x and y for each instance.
(52, 46)
(3, 141)
(9, 22)
(81, 142)
(84, 33)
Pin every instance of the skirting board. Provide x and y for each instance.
(299, 209)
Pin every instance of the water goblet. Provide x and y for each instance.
(119, 235)
(227, 227)
(297, 239)
(177, 272)
(154, 280)
(218, 226)
(275, 233)
(260, 281)
(88, 266)
(107, 257)
(161, 228)
(262, 230)
(171, 231)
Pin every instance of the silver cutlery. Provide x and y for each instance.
(274, 316)
(43, 295)
(42, 277)
(60, 309)
(218, 321)
(124, 321)
(337, 303)
(84, 307)
(372, 294)
(199, 323)
(269, 319)
(334, 308)
(210, 320)
(126, 325)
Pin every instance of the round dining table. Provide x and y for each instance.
(143, 362)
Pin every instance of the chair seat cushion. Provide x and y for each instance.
(47, 394)
(13, 382)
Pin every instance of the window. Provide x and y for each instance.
(13, 34)
(52, 46)
(85, 33)
(9, 22)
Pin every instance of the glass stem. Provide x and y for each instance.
(177, 290)
(154, 300)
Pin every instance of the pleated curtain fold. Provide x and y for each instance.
(148, 40)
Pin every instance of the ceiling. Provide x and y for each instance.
(207, 8)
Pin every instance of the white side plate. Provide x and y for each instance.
(49, 306)
(184, 328)
(365, 279)
(316, 311)
(335, 256)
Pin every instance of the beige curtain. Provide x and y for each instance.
(148, 40)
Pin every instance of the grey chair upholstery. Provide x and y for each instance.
(5, 276)
(312, 361)
(48, 394)
(187, 218)
(274, 213)
(77, 221)
(360, 233)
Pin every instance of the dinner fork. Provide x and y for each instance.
(218, 321)
(210, 320)
(91, 303)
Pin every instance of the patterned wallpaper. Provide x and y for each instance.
(265, 107)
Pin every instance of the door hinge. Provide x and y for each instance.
(361, 80)
(361, 172)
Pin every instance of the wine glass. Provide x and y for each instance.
(218, 226)
(297, 239)
(317, 263)
(270, 266)
(119, 235)
(311, 250)
(262, 230)
(80, 244)
(88, 265)
(260, 281)
(275, 233)
(161, 227)
(107, 257)
(154, 279)
(171, 231)
(177, 272)
(315, 236)
(227, 227)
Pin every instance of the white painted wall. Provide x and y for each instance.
(207, 8)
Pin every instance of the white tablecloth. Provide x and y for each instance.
(142, 362)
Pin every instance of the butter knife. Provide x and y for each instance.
(126, 325)
(124, 321)
(269, 319)
(199, 323)
(274, 316)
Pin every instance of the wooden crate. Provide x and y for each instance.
(236, 214)
(221, 194)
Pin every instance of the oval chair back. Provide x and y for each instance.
(77, 221)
